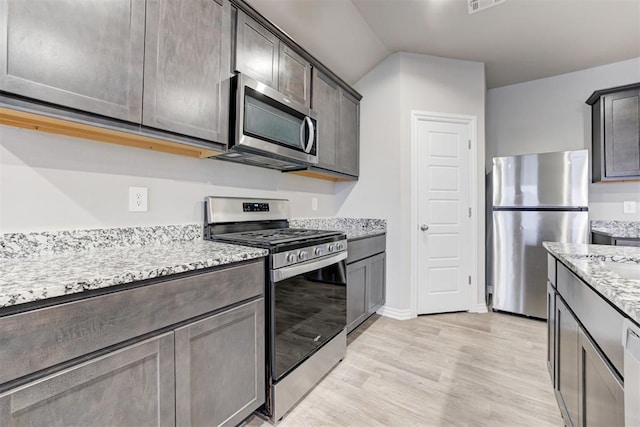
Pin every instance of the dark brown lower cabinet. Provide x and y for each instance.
(365, 289)
(567, 363)
(220, 367)
(133, 386)
(601, 391)
(204, 366)
(551, 333)
(356, 293)
(582, 354)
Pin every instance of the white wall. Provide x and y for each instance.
(53, 182)
(551, 115)
(401, 83)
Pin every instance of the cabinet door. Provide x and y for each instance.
(567, 363)
(133, 386)
(325, 102)
(551, 336)
(349, 129)
(601, 392)
(187, 67)
(622, 134)
(357, 293)
(294, 75)
(256, 51)
(220, 367)
(86, 55)
(376, 284)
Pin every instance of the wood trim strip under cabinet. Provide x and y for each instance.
(57, 126)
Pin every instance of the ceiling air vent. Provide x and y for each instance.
(478, 5)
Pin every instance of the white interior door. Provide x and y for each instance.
(444, 232)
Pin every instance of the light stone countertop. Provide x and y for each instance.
(354, 228)
(39, 274)
(588, 263)
(617, 229)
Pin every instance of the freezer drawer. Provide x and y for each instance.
(520, 261)
(542, 180)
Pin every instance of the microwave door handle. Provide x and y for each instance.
(302, 125)
(294, 270)
(309, 122)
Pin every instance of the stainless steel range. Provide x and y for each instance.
(306, 293)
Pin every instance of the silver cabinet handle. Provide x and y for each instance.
(424, 227)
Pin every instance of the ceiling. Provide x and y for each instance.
(519, 40)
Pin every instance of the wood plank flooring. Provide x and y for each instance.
(457, 369)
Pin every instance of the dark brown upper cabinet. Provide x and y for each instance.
(338, 126)
(262, 56)
(615, 114)
(85, 55)
(188, 67)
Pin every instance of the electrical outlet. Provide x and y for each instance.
(138, 199)
(314, 203)
(629, 207)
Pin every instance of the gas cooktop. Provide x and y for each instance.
(275, 237)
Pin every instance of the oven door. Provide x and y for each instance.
(309, 309)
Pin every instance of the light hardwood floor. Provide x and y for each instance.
(456, 369)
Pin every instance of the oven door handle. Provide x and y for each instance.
(287, 272)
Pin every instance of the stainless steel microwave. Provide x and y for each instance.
(270, 130)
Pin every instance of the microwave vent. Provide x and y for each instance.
(478, 5)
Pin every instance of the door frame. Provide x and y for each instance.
(472, 123)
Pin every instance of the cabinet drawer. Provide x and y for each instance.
(599, 318)
(364, 248)
(42, 338)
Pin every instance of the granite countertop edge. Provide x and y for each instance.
(67, 274)
(587, 262)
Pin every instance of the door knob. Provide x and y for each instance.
(424, 227)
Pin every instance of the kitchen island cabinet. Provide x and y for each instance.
(591, 304)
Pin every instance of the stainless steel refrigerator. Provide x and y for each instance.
(536, 198)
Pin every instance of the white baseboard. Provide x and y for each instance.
(479, 308)
(394, 313)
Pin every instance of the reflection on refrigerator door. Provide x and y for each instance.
(520, 261)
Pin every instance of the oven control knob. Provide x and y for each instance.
(318, 252)
(292, 258)
(331, 247)
(340, 246)
(303, 255)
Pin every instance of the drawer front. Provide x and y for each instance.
(42, 338)
(599, 318)
(364, 248)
